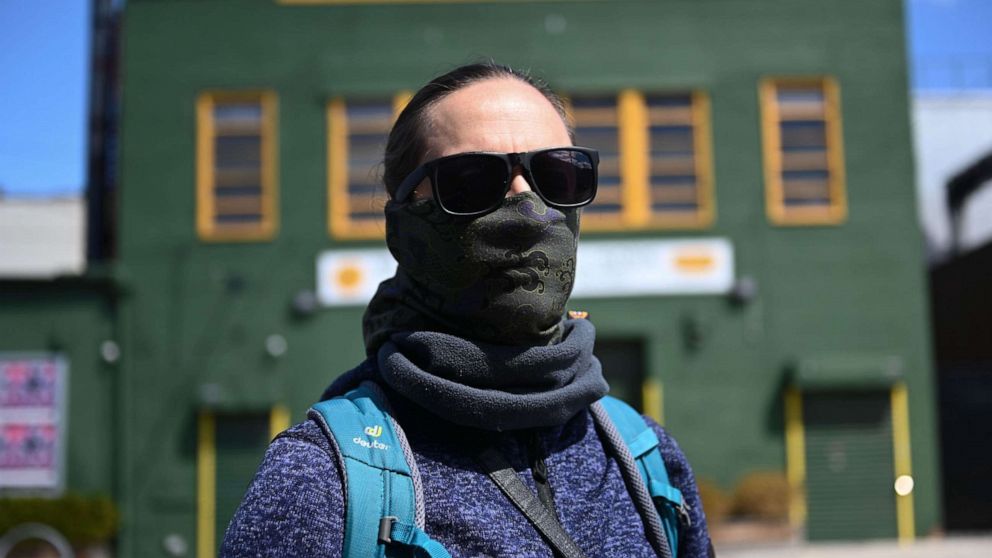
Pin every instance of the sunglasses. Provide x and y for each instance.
(475, 183)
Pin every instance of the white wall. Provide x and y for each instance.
(951, 131)
(42, 238)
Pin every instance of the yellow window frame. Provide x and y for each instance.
(836, 212)
(379, 2)
(653, 399)
(703, 166)
(340, 225)
(596, 222)
(206, 475)
(206, 226)
(795, 458)
(635, 170)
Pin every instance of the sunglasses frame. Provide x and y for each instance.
(511, 160)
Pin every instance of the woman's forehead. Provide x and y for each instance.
(504, 115)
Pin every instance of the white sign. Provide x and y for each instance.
(616, 268)
(654, 267)
(350, 277)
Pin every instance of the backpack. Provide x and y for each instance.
(376, 459)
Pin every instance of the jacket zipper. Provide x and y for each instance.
(539, 470)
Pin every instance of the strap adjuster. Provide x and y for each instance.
(386, 529)
(683, 510)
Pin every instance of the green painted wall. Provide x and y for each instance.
(72, 318)
(194, 326)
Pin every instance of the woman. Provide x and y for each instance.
(468, 347)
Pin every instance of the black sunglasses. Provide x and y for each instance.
(476, 183)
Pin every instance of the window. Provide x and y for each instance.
(804, 164)
(597, 125)
(236, 166)
(680, 161)
(357, 133)
(655, 162)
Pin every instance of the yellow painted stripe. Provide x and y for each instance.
(835, 151)
(270, 165)
(206, 487)
(337, 169)
(633, 118)
(771, 143)
(795, 456)
(278, 420)
(204, 165)
(905, 517)
(374, 2)
(703, 146)
(652, 398)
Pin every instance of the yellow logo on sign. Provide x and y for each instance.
(350, 277)
(694, 262)
(374, 431)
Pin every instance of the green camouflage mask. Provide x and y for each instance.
(501, 278)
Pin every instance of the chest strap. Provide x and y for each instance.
(644, 448)
(381, 497)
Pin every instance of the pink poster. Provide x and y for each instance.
(32, 410)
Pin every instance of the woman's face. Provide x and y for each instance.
(503, 115)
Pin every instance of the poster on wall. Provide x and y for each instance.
(32, 421)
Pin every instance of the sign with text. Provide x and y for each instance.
(654, 267)
(606, 268)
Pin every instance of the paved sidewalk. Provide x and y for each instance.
(950, 547)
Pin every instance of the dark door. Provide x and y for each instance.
(849, 465)
(241, 442)
(623, 365)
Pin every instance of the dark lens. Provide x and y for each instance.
(471, 183)
(564, 176)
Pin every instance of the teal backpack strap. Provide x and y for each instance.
(644, 446)
(381, 498)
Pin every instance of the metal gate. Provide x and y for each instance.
(849, 458)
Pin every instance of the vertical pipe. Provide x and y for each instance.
(206, 488)
(905, 516)
(795, 454)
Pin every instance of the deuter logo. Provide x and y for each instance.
(374, 444)
(374, 431)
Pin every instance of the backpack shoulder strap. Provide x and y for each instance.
(380, 495)
(644, 446)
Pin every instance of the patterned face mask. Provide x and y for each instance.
(502, 278)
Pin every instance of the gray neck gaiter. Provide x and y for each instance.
(496, 387)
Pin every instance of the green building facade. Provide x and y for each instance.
(771, 137)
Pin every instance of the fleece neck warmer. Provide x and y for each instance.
(495, 387)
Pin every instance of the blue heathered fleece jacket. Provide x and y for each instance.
(295, 507)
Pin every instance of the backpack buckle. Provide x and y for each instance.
(386, 528)
(683, 510)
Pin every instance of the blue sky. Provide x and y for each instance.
(950, 43)
(44, 60)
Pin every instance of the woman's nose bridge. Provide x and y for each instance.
(518, 182)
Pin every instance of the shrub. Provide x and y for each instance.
(83, 520)
(716, 501)
(762, 495)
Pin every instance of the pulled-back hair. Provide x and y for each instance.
(406, 145)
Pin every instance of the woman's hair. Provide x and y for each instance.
(406, 144)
